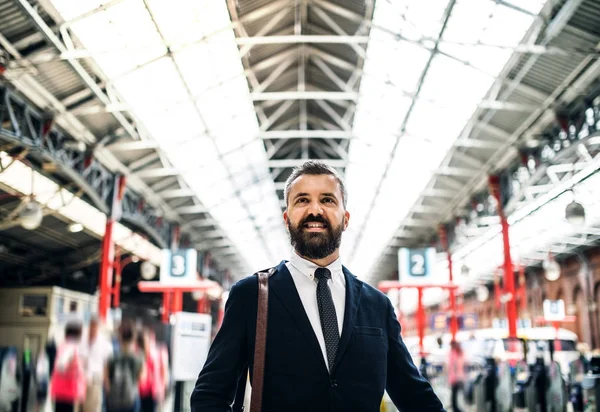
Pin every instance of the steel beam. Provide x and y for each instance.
(266, 28)
(306, 134)
(191, 210)
(133, 145)
(443, 193)
(319, 39)
(157, 172)
(177, 193)
(305, 95)
(280, 111)
(477, 143)
(333, 114)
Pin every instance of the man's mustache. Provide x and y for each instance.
(315, 219)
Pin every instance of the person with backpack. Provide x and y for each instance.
(68, 383)
(122, 375)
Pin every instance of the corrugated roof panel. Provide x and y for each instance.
(587, 17)
(247, 6)
(509, 120)
(14, 23)
(253, 27)
(261, 52)
(59, 79)
(349, 27)
(342, 51)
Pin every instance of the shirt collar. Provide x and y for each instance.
(308, 268)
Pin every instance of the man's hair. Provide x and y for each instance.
(314, 167)
(73, 330)
(127, 332)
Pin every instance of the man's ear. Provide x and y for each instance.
(346, 219)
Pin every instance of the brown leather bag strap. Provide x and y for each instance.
(260, 343)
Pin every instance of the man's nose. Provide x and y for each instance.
(316, 208)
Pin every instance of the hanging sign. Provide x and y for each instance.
(178, 266)
(415, 265)
(554, 310)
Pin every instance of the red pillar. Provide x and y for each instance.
(108, 250)
(177, 301)
(509, 276)
(117, 288)
(420, 320)
(201, 304)
(166, 306)
(443, 235)
(106, 270)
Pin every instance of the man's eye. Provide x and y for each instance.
(328, 200)
(301, 200)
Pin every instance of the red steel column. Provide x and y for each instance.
(201, 304)
(177, 301)
(421, 320)
(108, 249)
(106, 270)
(166, 306)
(443, 235)
(117, 288)
(509, 276)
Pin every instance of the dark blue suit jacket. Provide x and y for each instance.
(371, 355)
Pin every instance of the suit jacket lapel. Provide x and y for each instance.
(283, 287)
(353, 289)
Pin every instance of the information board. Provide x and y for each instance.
(190, 340)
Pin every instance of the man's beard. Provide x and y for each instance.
(315, 245)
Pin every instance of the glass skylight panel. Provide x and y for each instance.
(450, 94)
(190, 20)
(119, 38)
(531, 6)
(412, 18)
(125, 42)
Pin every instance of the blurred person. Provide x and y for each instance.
(151, 383)
(68, 382)
(456, 372)
(122, 374)
(333, 341)
(584, 355)
(97, 350)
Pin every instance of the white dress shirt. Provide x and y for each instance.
(303, 274)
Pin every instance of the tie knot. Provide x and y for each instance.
(322, 273)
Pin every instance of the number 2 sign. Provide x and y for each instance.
(415, 264)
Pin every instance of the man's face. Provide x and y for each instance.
(315, 215)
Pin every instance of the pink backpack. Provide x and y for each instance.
(151, 381)
(68, 381)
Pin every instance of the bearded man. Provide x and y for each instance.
(333, 341)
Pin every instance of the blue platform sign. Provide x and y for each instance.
(178, 266)
(468, 321)
(415, 265)
(439, 321)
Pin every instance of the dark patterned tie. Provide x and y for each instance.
(327, 314)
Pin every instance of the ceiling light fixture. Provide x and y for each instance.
(75, 227)
(31, 215)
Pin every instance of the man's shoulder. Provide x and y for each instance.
(249, 284)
